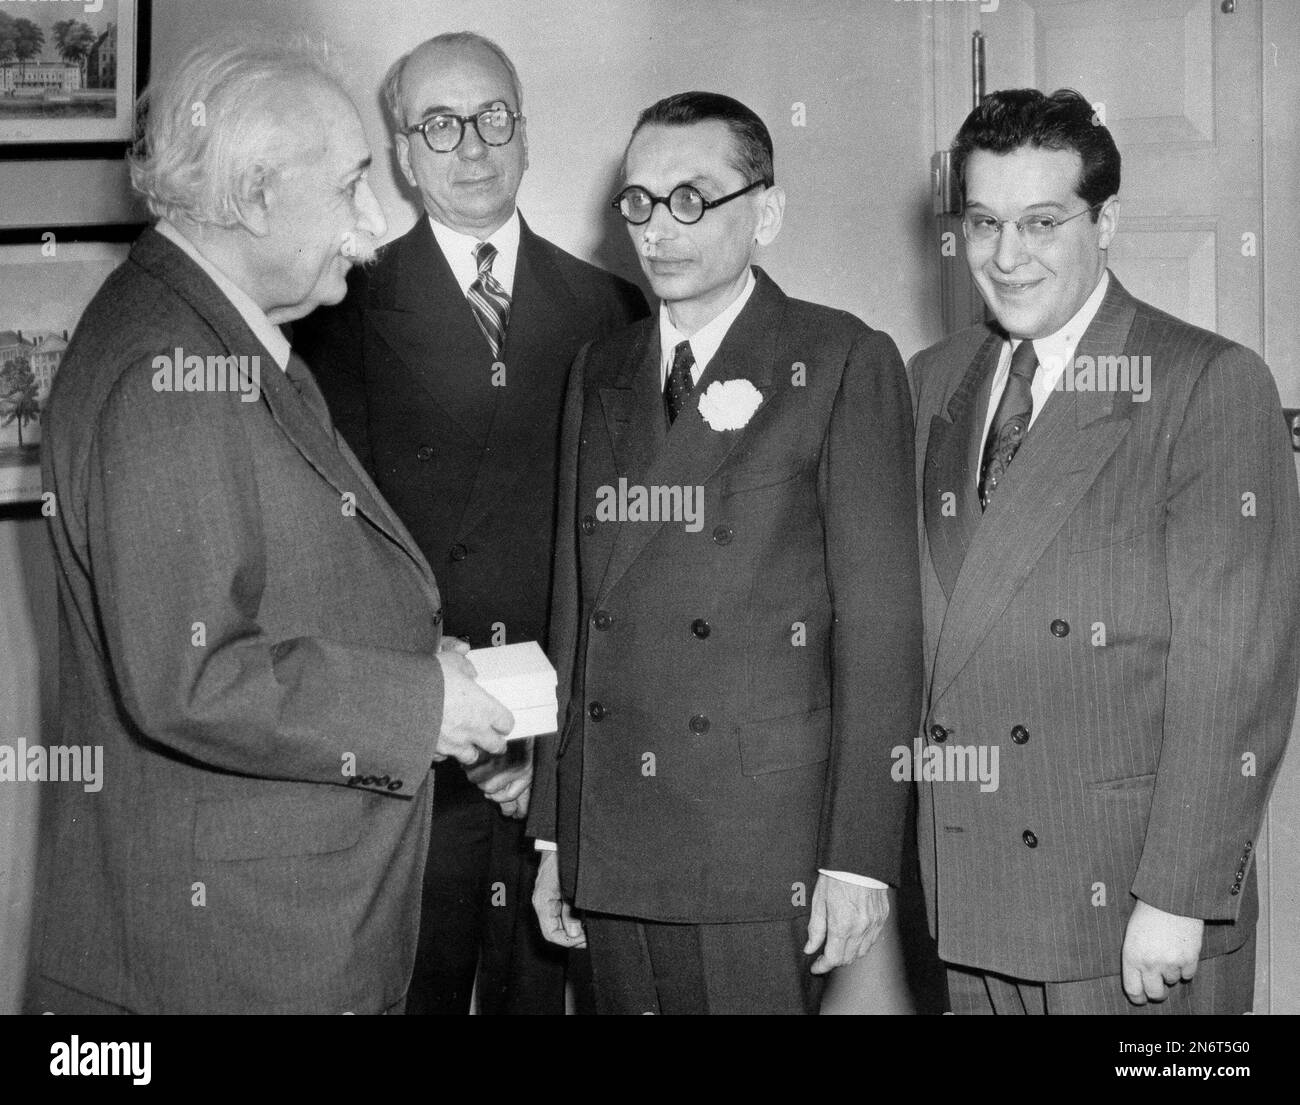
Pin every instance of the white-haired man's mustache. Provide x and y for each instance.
(359, 248)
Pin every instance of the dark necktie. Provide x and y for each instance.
(305, 385)
(489, 299)
(1011, 422)
(680, 385)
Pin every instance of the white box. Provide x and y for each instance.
(521, 678)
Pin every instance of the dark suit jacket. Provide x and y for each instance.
(237, 640)
(468, 465)
(1131, 601)
(768, 662)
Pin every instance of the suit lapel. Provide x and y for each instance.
(1069, 444)
(951, 463)
(691, 450)
(323, 450)
(541, 310)
(424, 320)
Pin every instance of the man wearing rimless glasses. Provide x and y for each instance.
(1111, 572)
(735, 675)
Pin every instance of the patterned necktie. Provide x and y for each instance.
(489, 299)
(1011, 422)
(680, 385)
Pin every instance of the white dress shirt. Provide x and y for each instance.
(264, 330)
(705, 340)
(1054, 352)
(459, 248)
(704, 344)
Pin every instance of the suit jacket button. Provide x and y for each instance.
(588, 524)
(458, 552)
(700, 628)
(722, 535)
(597, 711)
(699, 724)
(424, 452)
(938, 734)
(396, 784)
(1235, 891)
(1249, 846)
(437, 617)
(1019, 734)
(602, 619)
(1060, 628)
(1029, 838)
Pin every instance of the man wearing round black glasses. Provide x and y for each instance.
(737, 611)
(445, 371)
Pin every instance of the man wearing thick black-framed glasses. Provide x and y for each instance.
(737, 614)
(445, 371)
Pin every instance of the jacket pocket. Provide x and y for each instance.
(1130, 784)
(784, 743)
(328, 819)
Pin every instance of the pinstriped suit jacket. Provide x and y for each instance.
(1122, 627)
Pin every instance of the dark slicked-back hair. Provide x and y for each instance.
(1017, 117)
(753, 152)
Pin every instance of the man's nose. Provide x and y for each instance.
(372, 219)
(661, 222)
(472, 147)
(1011, 252)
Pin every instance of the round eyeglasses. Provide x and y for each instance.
(443, 133)
(684, 203)
(1034, 230)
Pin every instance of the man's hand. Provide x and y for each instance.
(554, 914)
(508, 778)
(473, 722)
(848, 918)
(1160, 950)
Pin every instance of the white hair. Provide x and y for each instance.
(220, 124)
(392, 86)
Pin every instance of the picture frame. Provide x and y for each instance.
(70, 75)
(47, 277)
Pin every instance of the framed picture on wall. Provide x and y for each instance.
(70, 73)
(47, 276)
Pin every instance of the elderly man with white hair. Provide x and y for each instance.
(246, 628)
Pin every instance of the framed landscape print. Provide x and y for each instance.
(70, 71)
(47, 277)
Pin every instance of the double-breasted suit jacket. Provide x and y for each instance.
(1121, 626)
(734, 684)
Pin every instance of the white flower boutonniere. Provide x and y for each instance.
(729, 404)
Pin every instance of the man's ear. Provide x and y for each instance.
(523, 135)
(253, 202)
(403, 144)
(1107, 222)
(771, 212)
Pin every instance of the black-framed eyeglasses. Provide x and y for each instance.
(684, 203)
(443, 133)
(1034, 230)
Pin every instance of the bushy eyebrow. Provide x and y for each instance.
(447, 109)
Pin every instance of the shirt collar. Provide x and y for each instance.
(458, 248)
(1055, 350)
(706, 340)
(264, 330)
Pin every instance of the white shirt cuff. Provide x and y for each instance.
(544, 845)
(844, 876)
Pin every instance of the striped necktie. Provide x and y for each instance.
(490, 300)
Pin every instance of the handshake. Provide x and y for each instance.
(474, 730)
